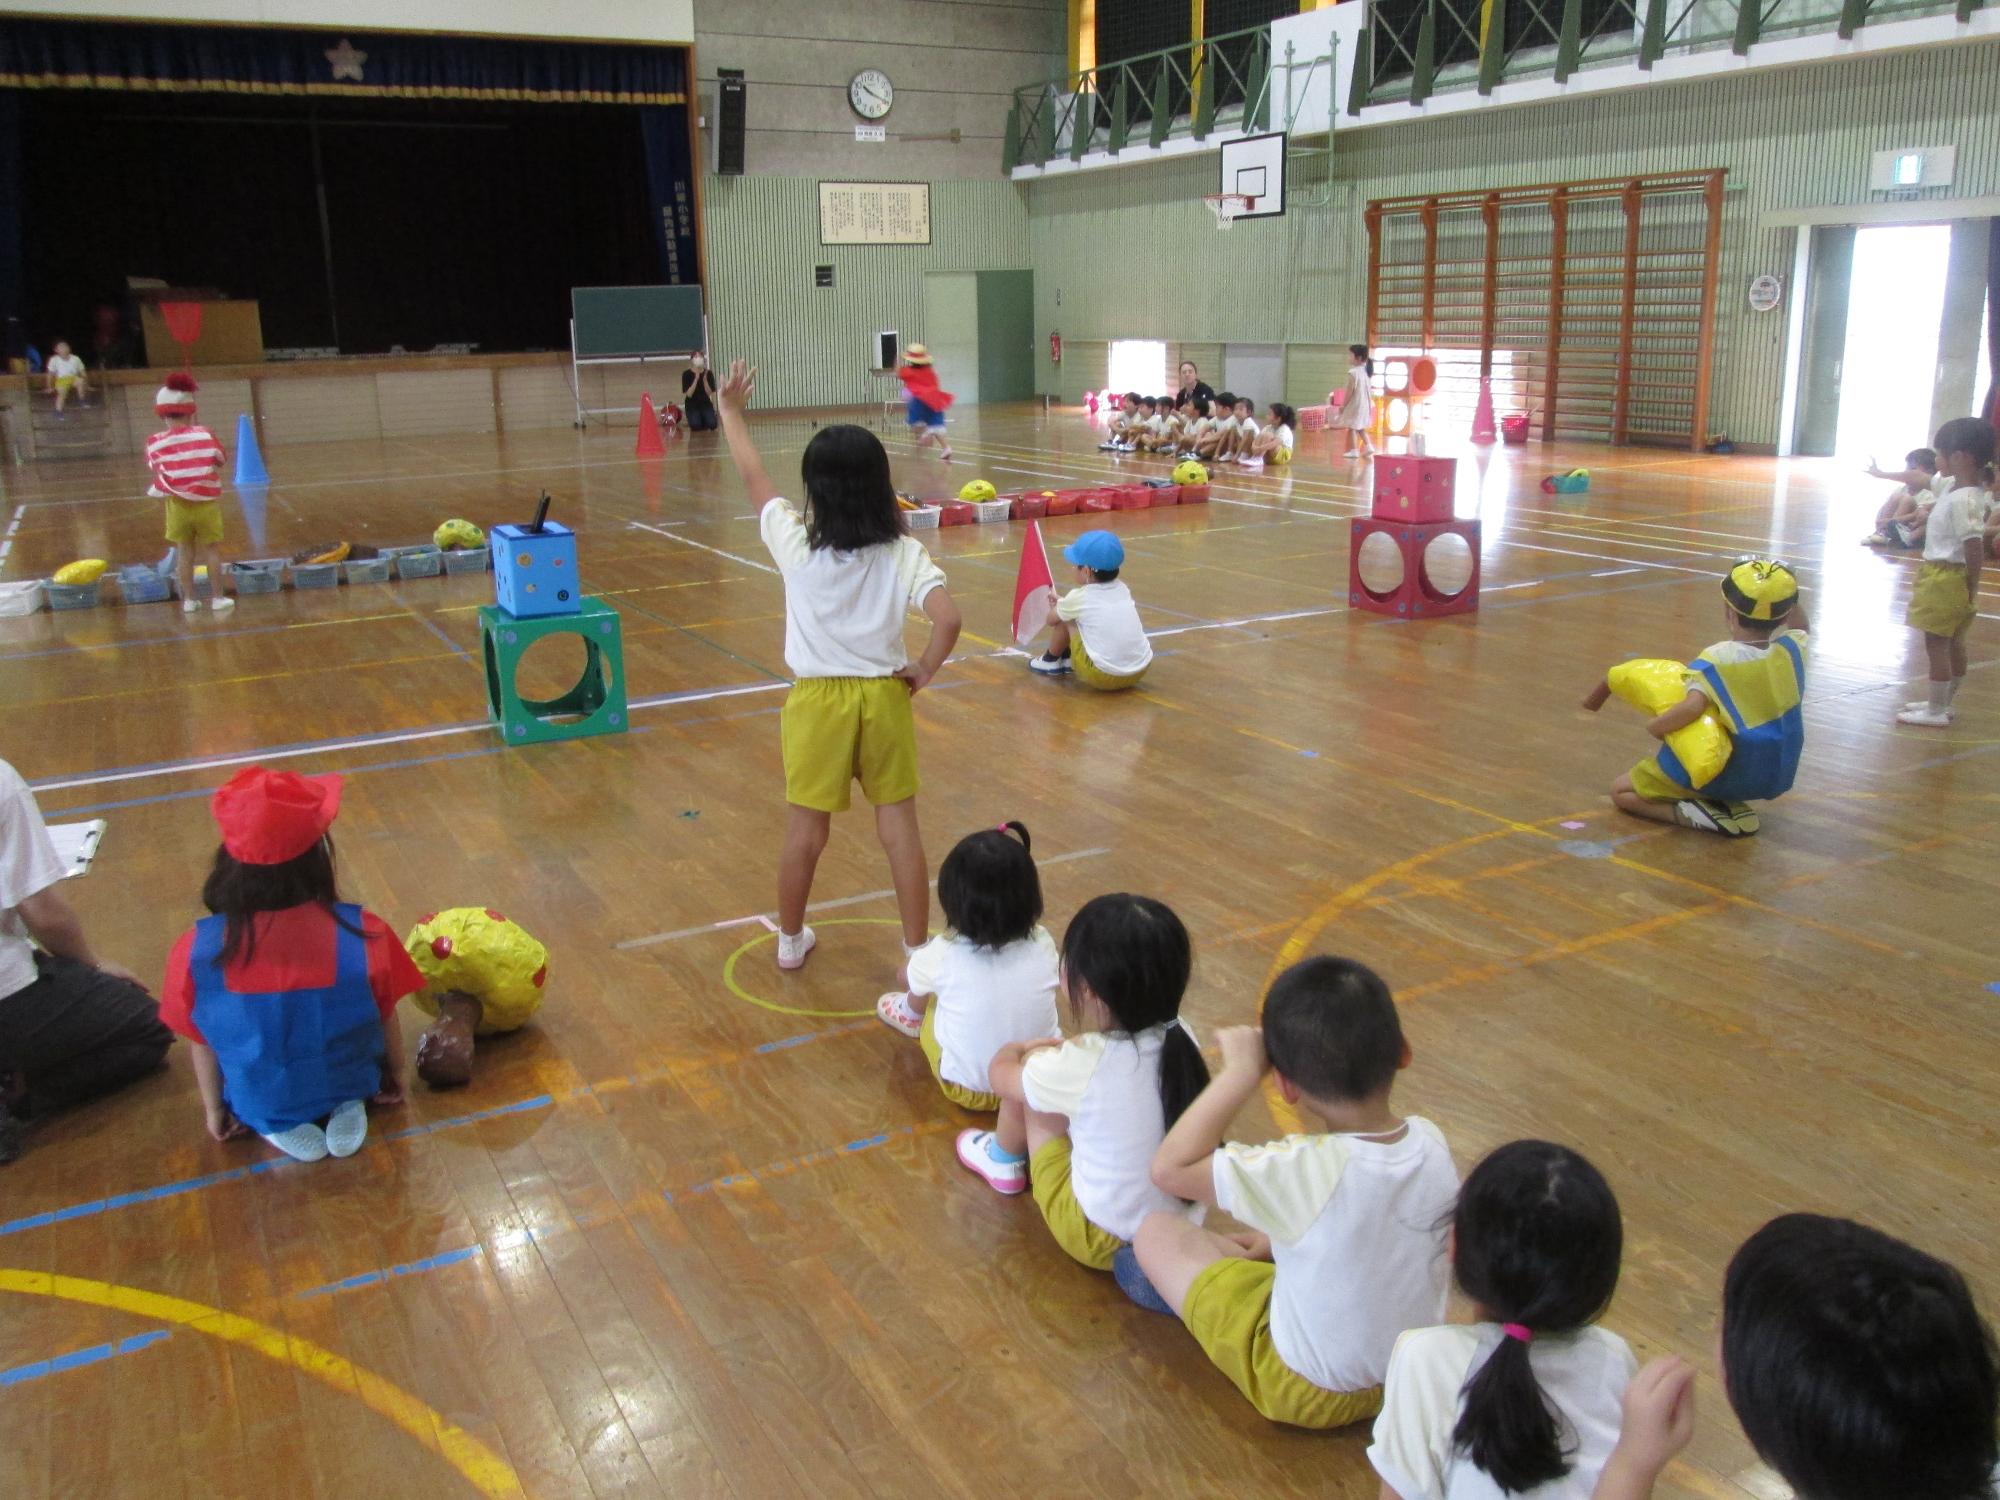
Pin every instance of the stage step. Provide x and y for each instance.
(81, 431)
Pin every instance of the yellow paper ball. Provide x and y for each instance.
(977, 490)
(84, 570)
(458, 535)
(1187, 471)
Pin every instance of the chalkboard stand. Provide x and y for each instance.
(691, 329)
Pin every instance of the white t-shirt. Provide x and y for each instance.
(1958, 517)
(1109, 1087)
(986, 998)
(65, 364)
(1354, 1234)
(1108, 620)
(1583, 1375)
(1286, 438)
(29, 865)
(844, 610)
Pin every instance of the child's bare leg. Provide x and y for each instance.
(211, 557)
(903, 842)
(1938, 652)
(1059, 638)
(805, 840)
(1628, 801)
(1038, 1129)
(1010, 1131)
(1173, 1250)
(184, 568)
(1955, 654)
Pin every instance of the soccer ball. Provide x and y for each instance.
(1188, 471)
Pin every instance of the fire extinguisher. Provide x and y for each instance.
(1055, 348)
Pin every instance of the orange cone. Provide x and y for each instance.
(649, 444)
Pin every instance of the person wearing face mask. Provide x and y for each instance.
(698, 394)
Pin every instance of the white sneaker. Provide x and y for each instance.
(1050, 666)
(188, 607)
(305, 1142)
(1251, 463)
(1923, 714)
(793, 948)
(898, 1014)
(975, 1155)
(221, 602)
(1923, 705)
(347, 1128)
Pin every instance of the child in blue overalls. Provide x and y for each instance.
(287, 994)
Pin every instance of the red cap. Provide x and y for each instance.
(272, 817)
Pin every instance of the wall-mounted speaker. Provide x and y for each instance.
(732, 114)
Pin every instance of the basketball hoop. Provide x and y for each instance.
(1227, 207)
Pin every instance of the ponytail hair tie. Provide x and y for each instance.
(1519, 1331)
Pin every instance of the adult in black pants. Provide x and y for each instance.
(71, 1026)
(1192, 384)
(698, 395)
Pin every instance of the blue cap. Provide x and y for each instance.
(1099, 551)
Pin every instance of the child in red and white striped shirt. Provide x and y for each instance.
(186, 462)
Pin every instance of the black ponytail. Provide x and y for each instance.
(1133, 954)
(1360, 351)
(1538, 1243)
(239, 893)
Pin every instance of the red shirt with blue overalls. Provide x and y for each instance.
(297, 1026)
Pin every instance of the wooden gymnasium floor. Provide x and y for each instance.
(700, 1232)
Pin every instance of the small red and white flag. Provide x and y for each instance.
(1034, 588)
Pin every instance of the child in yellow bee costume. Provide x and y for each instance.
(1752, 683)
(482, 975)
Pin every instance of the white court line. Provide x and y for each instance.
(655, 939)
(1617, 572)
(690, 542)
(7, 542)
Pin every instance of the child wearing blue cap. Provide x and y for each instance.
(1101, 613)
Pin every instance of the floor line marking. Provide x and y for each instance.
(691, 542)
(482, 1468)
(78, 1358)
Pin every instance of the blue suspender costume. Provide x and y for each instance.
(1764, 757)
(295, 1055)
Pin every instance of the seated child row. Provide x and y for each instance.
(1859, 1366)
(1223, 431)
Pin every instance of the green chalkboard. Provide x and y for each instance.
(625, 321)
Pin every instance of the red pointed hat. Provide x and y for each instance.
(272, 817)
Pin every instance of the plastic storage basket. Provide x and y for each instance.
(22, 598)
(369, 569)
(261, 575)
(992, 510)
(923, 518)
(315, 575)
(466, 560)
(72, 595)
(144, 586)
(419, 562)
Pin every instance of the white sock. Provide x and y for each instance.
(1951, 691)
(1940, 697)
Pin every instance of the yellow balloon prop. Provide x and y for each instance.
(1653, 686)
(478, 951)
(84, 570)
(978, 490)
(458, 536)
(1187, 471)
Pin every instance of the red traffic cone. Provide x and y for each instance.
(1483, 430)
(649, 444)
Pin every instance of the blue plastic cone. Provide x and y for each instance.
(249, 462)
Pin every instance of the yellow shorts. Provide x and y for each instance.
(1655, 785)
(189, 523)
(957, 1093)
(836, 729)
(1090, 675)
(66, 383)
(1048, 1180)
(1228, 1310)
(1940, 603)
(1282, 456)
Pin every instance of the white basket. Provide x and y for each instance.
(923, 518)
(25, 598)
(992, 510)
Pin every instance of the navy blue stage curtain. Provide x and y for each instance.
(275, 60)
(670, 192)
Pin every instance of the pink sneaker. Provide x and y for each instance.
(897, 1013)
(975, 1154)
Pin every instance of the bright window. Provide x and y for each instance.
(1138, 365)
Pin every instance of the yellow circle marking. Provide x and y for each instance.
(729, 969)
(483, 1469)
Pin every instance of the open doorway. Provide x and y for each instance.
(1890, 355)
(1138, 365)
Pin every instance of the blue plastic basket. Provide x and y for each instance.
(315, 575)
(144, 586)
(259, 575)
(369, 569)
(419, 562)
(72, 595)
(466, 560)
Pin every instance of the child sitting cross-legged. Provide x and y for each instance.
(1094, 629)
(1302, 1315)
(994, 970)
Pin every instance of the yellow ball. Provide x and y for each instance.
(84, 570)
(478, 951)
(1187, 471)
(458, 535)
(977, 490)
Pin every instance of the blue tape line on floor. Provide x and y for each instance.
(93, 1355)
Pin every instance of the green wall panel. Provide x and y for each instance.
(812, 345)
(1132, 252)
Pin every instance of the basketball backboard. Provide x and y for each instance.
(1254, 167)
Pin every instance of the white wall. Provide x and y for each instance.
(580, 20)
